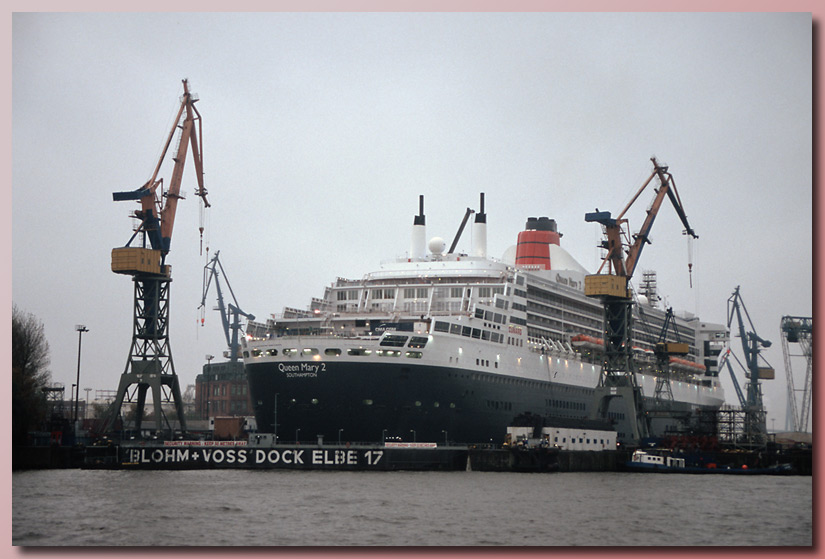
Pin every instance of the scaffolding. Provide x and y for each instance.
(55, 399)
(739, 429)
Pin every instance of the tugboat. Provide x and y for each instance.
(667, 463)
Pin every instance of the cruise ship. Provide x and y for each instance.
(448, 347)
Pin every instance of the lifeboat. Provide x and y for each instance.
(587, 342)
(687, 366)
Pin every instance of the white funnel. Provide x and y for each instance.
(479, 246)
(418, 246)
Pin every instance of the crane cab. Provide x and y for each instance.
(605, 285)
(131, 260)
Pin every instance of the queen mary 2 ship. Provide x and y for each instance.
(442, 346)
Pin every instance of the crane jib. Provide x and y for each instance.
(131, 195)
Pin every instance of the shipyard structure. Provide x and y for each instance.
(440, 359)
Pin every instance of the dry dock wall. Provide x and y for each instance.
(591, 461)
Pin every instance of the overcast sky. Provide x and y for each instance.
(320, 130)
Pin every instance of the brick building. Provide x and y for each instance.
(224, 389)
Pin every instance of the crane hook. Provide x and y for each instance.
(690, 260)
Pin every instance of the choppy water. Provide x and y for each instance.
(317, 508)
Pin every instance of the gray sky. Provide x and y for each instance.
(320, 130)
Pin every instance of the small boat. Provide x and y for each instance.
(665, 463)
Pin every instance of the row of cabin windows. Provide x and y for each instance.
(581, 440)
(334, 352)
(395, 340)
(416, 293)
(351, 295)
(493, 404)
(503, 379)
(371, 402)
(469, 332)
(565, 405)
(491, 316)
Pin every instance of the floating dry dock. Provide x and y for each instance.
(189, 455)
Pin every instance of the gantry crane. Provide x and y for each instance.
(618, 378)
(150, 362)
(798, 330)
(230, 328)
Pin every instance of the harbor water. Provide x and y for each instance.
(334, 508)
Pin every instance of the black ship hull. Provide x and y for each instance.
(369, 402)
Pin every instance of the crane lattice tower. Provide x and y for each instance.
(798, 331)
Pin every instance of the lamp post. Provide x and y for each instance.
(296, 434)
(209, 359)
(80, 329)
(275, 419)
(339, 436)
(413, 432)
(86, 409)
(383, 436)
(445, 436)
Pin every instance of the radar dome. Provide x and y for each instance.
(437, 245)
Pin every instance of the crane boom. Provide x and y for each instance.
(157, 213)
(667, 187)
(751, 347)
(230, 329)
(625, 266)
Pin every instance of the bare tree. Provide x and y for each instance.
(30, 373)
